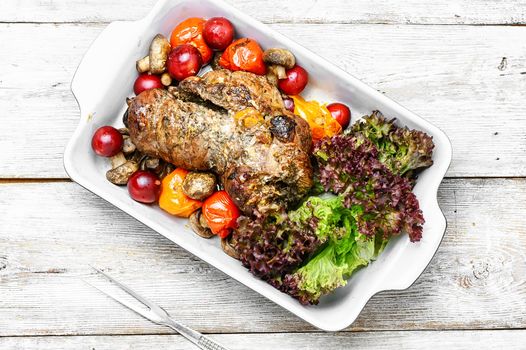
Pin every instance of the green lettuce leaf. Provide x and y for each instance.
(345, 250)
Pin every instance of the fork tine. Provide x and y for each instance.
(152, 306)
(147, 313)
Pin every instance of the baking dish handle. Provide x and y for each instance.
(94, 66)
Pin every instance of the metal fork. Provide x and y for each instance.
(158, 315)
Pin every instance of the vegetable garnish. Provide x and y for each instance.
(244, 54)
(320, 120)
(172, 198)
(402, 150)
(220, 213)
(353, 169)
(190, 31)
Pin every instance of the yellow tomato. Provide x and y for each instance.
(172, 198)
(320, 120)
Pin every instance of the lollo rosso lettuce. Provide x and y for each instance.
(384, 201)
(272, 246)
(401, 150)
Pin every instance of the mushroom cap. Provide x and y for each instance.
(280, 57)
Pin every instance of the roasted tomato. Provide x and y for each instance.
(190, 31)
(172, 198)
(220, 213)
(244, 54)
(320, 120)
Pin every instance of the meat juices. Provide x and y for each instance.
(264, 167)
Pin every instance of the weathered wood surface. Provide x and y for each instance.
(309, 11)
(448, 66)
(52, 231)
(464, 86)
(441, 340)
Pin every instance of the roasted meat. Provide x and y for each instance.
(263, 166)
(235, 91)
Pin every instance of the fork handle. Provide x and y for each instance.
(202, 341)
(206, 343)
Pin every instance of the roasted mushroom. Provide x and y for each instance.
(279, 57)
(197, 227)
(128, 147)
(143, 65)
(199, 185)
(121, 169)
(117, 160)
(166, 79)
(228, 247)
(278, 71)
(159, 50)
(155, 62)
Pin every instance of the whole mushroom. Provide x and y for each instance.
(121, 169)
(155, 62)
(199, 185)
(279, 57)
(197, 225)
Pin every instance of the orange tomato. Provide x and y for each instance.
(172, 198)
(244, 54)
(320, 120)
(220, 213)
(190, 31)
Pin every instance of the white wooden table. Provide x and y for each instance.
(459, 63)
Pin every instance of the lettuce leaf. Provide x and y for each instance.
(401, 150)
(345, 249)
(351, 168)
(331, 267)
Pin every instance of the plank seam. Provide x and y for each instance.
(168, 333)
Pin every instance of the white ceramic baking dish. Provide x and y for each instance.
(105, 78)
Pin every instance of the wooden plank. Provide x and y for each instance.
(52, 231)
(310, 11)
(446, 340)
(464, 87)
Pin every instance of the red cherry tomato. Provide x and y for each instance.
(184, 61)
(218, 33)
(220, 213)
(341, 113)
(146, 81)
(289, 104)
(144, 186)
(190, 31)
(296, 80)
(107, 141)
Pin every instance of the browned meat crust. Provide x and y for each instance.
(236, 91)
(260, 171)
